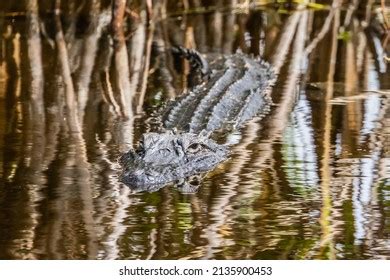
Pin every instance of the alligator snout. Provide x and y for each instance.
(139, 177)
(131, 178)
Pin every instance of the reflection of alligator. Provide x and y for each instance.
(236, 91)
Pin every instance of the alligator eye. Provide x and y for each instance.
(194, 180)
(194, 148)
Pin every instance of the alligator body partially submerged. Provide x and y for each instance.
(235, 92)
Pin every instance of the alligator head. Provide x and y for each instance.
(162, 158)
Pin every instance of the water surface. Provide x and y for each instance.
(310, 181)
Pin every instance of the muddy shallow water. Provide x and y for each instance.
(310, 181)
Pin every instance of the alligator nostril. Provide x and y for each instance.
(140, 152)
(128, 178)
(124, 159)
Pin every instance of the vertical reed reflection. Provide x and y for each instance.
(327, 246)
(34, 128)
(70, 97)
(121, 59)
(88, 54)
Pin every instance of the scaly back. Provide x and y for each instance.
(235, 93)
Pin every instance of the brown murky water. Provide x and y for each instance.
(310, 181)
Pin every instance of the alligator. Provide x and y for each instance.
(234, 89)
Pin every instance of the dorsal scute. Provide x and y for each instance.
(255, 80)
(237, 80)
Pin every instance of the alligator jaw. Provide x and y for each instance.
(163, 158)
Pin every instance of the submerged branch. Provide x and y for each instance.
(324, 30)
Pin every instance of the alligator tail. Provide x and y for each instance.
(196, 60)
